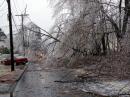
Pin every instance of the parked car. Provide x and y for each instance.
(17, 60)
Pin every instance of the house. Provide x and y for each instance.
(30, 37)
(3, 38)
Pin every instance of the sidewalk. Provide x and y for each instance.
(8, 79)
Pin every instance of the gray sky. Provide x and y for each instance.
(38, 10)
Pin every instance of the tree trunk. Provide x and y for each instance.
(104, 45)
(125, 40)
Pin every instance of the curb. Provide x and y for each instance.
(11, 87)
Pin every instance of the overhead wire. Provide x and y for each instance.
(3, 14)
(44, 34)
(40, 27)
(4, 26)
(47, 34)
(16, 8)
(3, 10)
(15, 24)
(2, 3)
(16, 3)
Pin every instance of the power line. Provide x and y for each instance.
(3, 14)
(15, 24)
(41, 28)
(3, 8)
(16, 8)
(24, 3)
(47, 33)
(8, 26)
(50, 36)
(2, 3)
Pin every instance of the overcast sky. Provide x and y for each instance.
(39, 11)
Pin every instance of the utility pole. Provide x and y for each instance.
(11, 35)
(22, 24)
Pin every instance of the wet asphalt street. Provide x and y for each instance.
(40, 82)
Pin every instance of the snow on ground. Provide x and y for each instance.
(108, 88)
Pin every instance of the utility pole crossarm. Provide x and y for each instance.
(22, 15)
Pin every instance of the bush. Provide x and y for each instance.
(4, 50)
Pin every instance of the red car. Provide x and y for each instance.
(17, 60)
